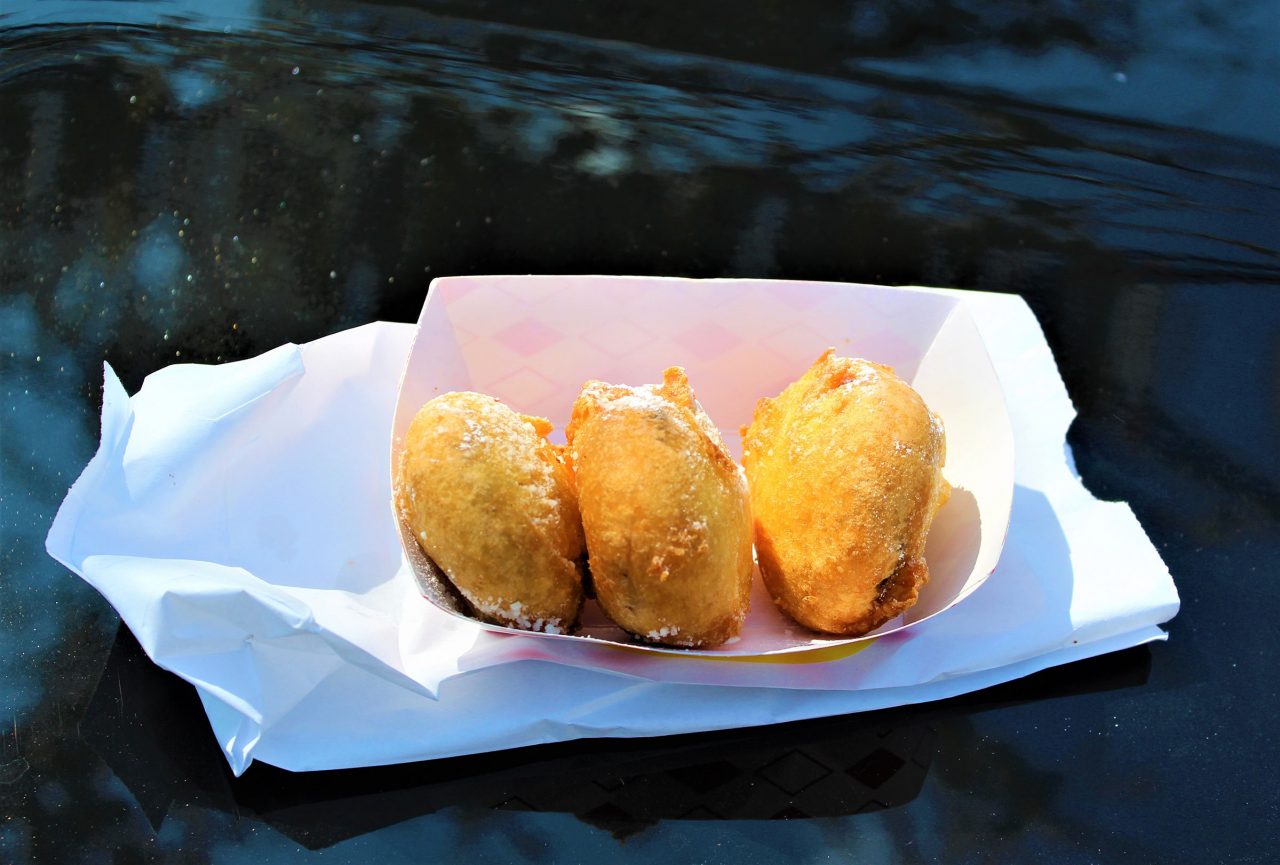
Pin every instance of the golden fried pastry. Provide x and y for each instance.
(492, 503)
(665, 512)
(845, 475)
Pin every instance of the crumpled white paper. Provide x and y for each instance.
(236, 517)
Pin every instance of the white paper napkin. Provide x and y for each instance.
(236, 516)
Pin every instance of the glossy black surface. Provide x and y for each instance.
(201, 182)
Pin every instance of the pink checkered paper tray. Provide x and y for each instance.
(532, 341)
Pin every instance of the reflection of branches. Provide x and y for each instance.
(339, 190)
(809, 35)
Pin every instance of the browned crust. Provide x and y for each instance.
(665, 512)
(491, 501)
(845, 473)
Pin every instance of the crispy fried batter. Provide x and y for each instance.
(491, 501)
(665, 512)
(845, 474)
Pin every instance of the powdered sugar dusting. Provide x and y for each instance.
(647, 398)
(663, 632)
(516, 614)
(866, 374)
(473, 436)
(643, 398)
(704, 423)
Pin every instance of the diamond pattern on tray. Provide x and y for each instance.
(617, 337)
(524, 387)
(708, 340)
(537, 339)
(528, 336)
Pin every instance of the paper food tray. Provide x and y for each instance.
(531, 341)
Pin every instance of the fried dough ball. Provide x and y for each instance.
(845, 475)
(665, 512)
(492, 503)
